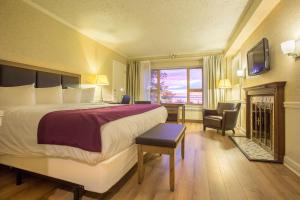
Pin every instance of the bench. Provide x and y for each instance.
(162, 139)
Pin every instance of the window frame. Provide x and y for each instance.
(189, 90)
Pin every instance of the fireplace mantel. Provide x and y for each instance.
(276, 91)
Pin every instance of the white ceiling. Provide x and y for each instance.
(139, 28)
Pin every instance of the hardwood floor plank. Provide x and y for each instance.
(213, 168)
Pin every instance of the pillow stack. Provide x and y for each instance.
(50, 95)
(29, 95)
(16, 96)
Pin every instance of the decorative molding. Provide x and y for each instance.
(244, 18)
(59, 19)
(260, 11)
(292, 165)
(178, 56)
(292, 104)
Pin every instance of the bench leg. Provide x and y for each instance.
(140, 164)
(172, 171)
(182, 146)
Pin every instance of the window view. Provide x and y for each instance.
(177, 85)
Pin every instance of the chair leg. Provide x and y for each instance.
(223, 132)
(233, 131)
(204, 128)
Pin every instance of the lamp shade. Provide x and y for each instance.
(291, 48)
(224, 83)
(101, 80)
(288, 47)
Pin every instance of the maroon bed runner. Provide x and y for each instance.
(81, 128)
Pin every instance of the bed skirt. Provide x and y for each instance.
(97, 178)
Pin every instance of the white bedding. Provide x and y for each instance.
(18, 133)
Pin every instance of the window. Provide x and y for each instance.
(177, 85)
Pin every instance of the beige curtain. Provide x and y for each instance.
(133, 80)
(213, 72)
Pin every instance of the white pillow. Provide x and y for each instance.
(87, 95)
(19, 95)
(50, 95)
(72, 95)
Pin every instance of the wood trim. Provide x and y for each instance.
(189, 90)
(157, 149)
(33, 67)
(192, 120)
(275, 89)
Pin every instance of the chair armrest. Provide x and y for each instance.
(230, 118)
(207, 112)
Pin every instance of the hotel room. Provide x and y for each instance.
(112, 99)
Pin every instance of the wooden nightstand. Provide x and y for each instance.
(173, 111)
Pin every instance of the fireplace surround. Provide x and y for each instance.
(265, 118)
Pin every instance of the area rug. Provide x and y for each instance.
(251, 150)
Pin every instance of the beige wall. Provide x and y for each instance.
(31, 37)
(282, 24)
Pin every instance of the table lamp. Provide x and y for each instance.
(224, 84)
(100, 81)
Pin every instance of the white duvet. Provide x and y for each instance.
(18, 133)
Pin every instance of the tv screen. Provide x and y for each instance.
(258, 58)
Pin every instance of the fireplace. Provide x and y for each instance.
(262, 117)
(265, 117)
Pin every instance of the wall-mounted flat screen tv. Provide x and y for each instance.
(258, 58)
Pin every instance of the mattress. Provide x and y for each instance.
(18, 133)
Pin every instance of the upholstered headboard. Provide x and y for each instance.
(16, 74)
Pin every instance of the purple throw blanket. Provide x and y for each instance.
(81, 128)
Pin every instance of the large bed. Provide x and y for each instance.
(95, 171)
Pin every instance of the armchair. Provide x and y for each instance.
(223, 118)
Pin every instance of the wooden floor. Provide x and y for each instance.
(213, 169)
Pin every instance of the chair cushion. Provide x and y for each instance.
(213, 120)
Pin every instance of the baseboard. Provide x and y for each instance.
(243, 130)
(292, 165)
(192, 120)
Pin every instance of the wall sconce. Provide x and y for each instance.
(290, 48)
(240, 73)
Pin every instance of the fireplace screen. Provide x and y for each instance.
(262, 121)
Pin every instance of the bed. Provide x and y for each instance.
(95, 171)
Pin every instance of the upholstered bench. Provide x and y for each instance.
(162, 139)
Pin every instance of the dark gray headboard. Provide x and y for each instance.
(16, 74)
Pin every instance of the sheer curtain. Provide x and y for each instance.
(145, 80)
(133, 80)
(213, 72)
